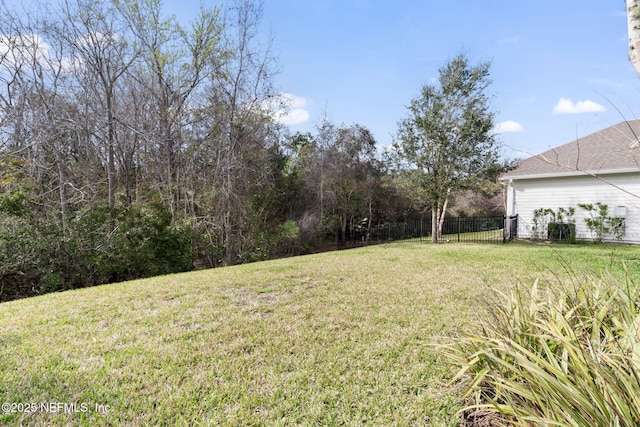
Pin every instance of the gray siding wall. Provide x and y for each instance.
(612, 190)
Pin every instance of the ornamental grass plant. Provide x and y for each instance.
(557, 354)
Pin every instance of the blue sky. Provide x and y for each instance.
(560, 69)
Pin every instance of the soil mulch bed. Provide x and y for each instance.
(483, 418)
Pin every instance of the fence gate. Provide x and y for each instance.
(510, 227)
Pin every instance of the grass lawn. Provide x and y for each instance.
(339, 338)
(477, 236)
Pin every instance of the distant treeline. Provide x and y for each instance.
(131, 146)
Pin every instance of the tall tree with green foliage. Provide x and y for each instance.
(446, 143)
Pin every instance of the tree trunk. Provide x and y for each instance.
(111, 140)
(437, 218)
(370, 220)
(62, 191)
(633, 23)
(342, 242)
(441, 214)
(434, 225)
(227, 224)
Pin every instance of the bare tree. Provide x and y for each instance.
(102, 55)
(177, 62)
(35, 70)
(237, 95)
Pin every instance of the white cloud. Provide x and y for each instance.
(293, 101)
(567, 106)
(31, 49)
(17, 50)
(295, 116)
(289, 109)
(508, 126)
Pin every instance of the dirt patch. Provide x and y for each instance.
(483, 418)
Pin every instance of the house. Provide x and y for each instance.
(603, 167)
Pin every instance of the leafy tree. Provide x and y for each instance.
(446, 143)
(339, 178)
(350, 170)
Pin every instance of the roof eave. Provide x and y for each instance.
(569, 174)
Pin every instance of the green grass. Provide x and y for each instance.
(475, 236)
(340, 338)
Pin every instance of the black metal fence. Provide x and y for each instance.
(488, 229)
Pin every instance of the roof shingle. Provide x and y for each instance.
(607, 151)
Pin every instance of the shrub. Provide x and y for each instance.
(600, 223)
(550, 224)
(288, 239)
(558, 355)
(541, 218)
(81, 254)
(97, 246)
(100, 246)
(22, 252)
(146, 243)
(15, 193)
(52, 282)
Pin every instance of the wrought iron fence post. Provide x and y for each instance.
(504, 228)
